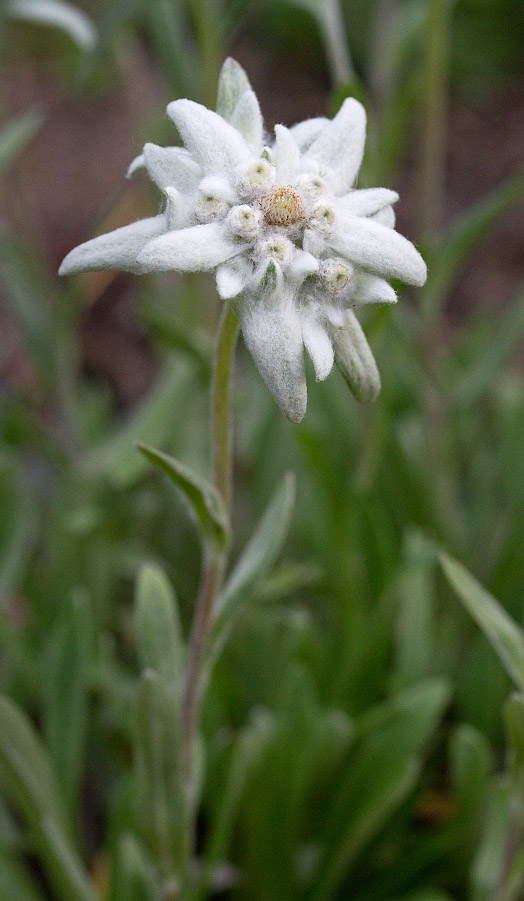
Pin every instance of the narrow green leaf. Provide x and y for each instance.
(204, 498)
(471, 768)
(18, 524)
(415, 622)
(328, 15)
(514, 716)
(16, 134)
(247, 750)
(505, 335)
(395, 778)
(500, 629)
(68, 874)
(263, 548)
(15, 883)
(31, 299)
(56, 14)
(158, 777)
(286, 579)
(429, 894)
(168, 28)
(379, 774)
(254, 563)
(465, 234)
(27, 778)
(303, 744)
(397, 127)
(232, 83)
(67, 671)
(25, 769)
(158, 626)
(133, 874)
(112, 19)
(488, 861)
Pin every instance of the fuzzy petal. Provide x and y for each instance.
(300, 266)
(314, 242)
(116, 250)
(340, 146)
(273, 334)
(286, 155)
(136, 164)
(211, 141)
(318, 345)
(371, 289)
(176, 209)
(386, 217)
(247, 119)
(172, 167)
(366, 202)
(189, 249)
(232, 278)
(307, 131)
(379, 249)
(354, 358)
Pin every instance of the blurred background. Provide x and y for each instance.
(354, 728)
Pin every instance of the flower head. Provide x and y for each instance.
(294, 245)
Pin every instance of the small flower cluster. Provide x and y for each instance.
(294, 245)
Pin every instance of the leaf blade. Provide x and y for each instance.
(203, 497)
(158, 625)
(500, 629)
(16, 134)
(264, 545)
(28, 779)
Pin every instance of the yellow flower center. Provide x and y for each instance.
(282, 206)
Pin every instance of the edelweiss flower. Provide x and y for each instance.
(294, 245)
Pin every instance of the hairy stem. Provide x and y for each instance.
(215, 556)
(221, 404)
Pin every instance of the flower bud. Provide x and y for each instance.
(257, 174)
(215, 197)
(243, 222)
(311, 186)
(276, 248)
(335, 274)
(323, 216)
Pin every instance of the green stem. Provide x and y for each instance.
(215, 557)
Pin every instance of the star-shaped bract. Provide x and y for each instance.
(294, 245)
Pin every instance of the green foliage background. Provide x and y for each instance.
(353, 738)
